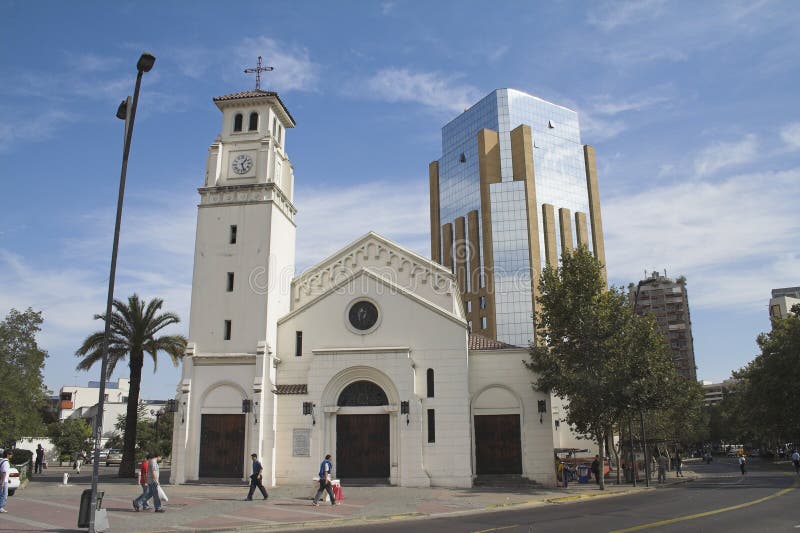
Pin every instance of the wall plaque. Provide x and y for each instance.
(301, 442)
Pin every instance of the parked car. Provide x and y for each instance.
(114, 457)
(13, 480)
(103, 454)
(733, 453)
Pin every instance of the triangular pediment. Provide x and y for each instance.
(386, 259)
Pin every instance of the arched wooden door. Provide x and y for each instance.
(362, 440)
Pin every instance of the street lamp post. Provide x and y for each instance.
(157, 414)
(126, 112)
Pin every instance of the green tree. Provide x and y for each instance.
(152, 435)
(762, 404)
(71, 436)
(134, 332)
(593, 350)
(22, 393)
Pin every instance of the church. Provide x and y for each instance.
(367, 355)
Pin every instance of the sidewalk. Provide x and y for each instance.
(47, 505)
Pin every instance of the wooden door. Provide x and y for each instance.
(362, 446)
(222, 446)
(498, 449)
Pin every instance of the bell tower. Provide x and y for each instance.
(243, 267)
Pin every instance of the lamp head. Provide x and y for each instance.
(146, 62)
(122, 110)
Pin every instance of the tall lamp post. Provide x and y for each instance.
(126, 112)
(158, 414)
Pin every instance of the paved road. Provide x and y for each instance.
(765, 499)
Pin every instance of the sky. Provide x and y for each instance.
(691, 106)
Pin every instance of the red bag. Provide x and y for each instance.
(337, 493)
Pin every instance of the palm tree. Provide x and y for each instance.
(133, 333)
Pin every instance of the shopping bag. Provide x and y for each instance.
(162, 495)
(337, 493)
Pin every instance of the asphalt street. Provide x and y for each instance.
(720, 499)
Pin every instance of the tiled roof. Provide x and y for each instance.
(254, 94)
(300, 388)
(479, 342)
(244, 94)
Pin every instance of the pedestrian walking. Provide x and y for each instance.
(256, 478)
(37, 465)
(153, 470)
(742, 462)
(5, 474)
(325, 477)
(141, 501)
(596, 469)
(78, 462)
(796, 461)
(663, 464)
(678, 465)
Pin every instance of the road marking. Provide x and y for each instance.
(33, 523)
(495, 529)
(707, 513)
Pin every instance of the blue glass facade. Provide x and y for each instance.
(560, 179)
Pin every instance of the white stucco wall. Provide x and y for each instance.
(499, 383)
(410, 339)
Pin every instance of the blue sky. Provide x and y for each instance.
(691, 106)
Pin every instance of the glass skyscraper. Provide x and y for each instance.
(513, 182)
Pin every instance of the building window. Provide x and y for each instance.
(483, 302)
(253, 126)
(229, 287)
(469, 306)
(298, 343)
(237, 122)
(469, 326)
(233, 234)
(430, 383)
(431, 425)
(227, 332)
(483, 322)
(274, 126)
(279, 133)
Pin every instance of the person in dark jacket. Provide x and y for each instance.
(256, 479)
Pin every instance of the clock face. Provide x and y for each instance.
(242, 164)
(363, 315)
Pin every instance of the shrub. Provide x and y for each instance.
(23, 458)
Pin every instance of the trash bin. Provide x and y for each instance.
(583, 474)
(84, 511)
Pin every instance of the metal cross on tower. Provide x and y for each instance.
(258, 70)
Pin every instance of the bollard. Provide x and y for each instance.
(66, 478)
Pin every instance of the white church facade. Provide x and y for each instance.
(366, 356)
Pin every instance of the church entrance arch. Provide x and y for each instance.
(362, 440)
(222, 433)
(498, 440)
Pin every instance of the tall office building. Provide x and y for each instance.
(668, 301)
(513, 188)
(782, 301)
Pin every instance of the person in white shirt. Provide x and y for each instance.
(742, 462)
(5, 474)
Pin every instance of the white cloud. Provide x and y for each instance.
(611, 15)
(734, 239)
(329, 218)
(69, 284)
(606, 106)
(430, 89)
(35, 127)
(725, 154)
(294, 69)
(791, 135)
